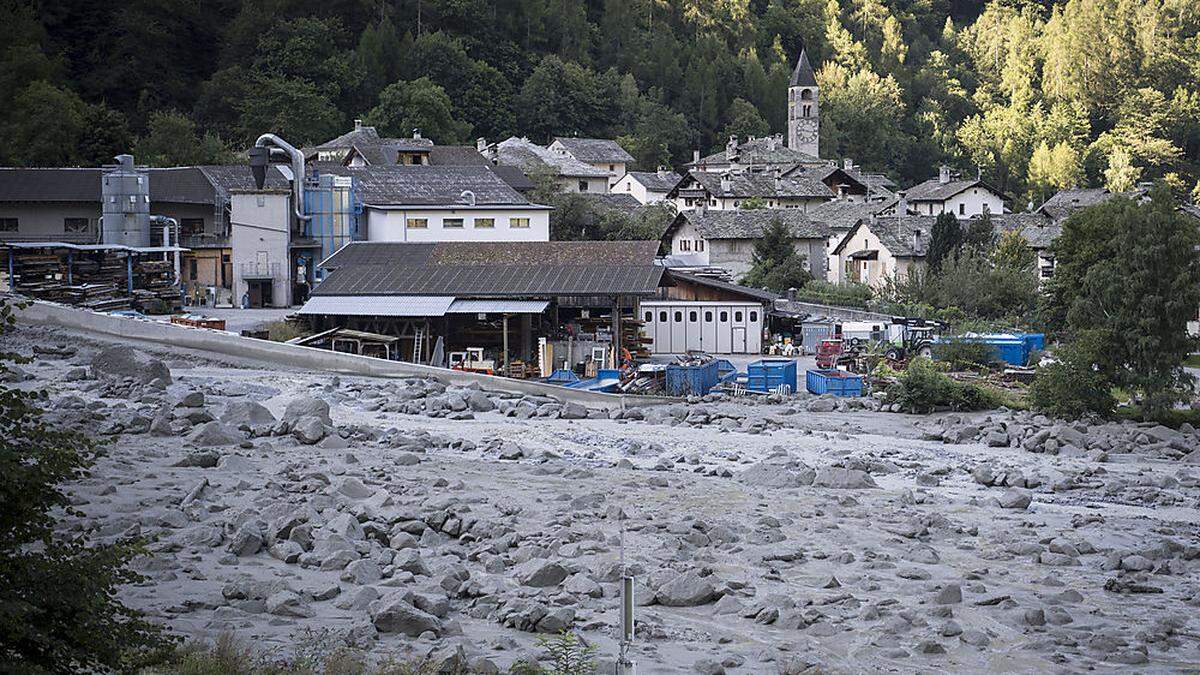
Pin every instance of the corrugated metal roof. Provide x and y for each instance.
(498, 306)
(377, 305)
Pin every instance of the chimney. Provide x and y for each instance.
(902, 206)
(841, 191)
(695, 157)
(731, 148)
(726, 185)
(778, 181)
(663, 171)
(416, 134)
(944, 174)
(358, 125)
(847, 164)
(480, 145)
(771, 143)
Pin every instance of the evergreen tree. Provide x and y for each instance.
(944, 239)
(775, 265)
(405, 107)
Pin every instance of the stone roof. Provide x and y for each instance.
(759, 151)
(895, 233)
(619, 201)
(933, 190)
(841, 215)
(430, 185)
(182, 185)
(595, 150)
(1036, 228)
(803, 75)
(759, 184)
(750, 223)
(656, 181)
(515, 178)
(456, 155)
(533, 158)
(1065, 202)
(494, 269)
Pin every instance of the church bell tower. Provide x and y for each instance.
(803, 108)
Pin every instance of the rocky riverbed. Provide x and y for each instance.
(766, 536)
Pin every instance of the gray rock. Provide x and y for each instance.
(307, 406)
(395, 614)
(950, 595)
(308, 430)
(250, 413)
(479, 402)
(1015, 499)
(687, 590)
(203, 459)
(214, 434)
(247, 540)
(354, 489)
(556, 621)
(287, 603)
(573, 411)
(540, 573)
(126, 362)
(843, 479)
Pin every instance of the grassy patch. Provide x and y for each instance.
(1172, 418)
(1192, 361)
(282, 331)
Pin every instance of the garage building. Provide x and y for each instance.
(704, 314)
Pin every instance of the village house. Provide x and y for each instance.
(719, 192)
(648, 187)
(567, 173)
(840, 216)
(948, 194)
(725, 238)
(599, 153)
(881, 247)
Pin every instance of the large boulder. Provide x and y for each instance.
(214, 434)
(309, 430)
(777, 474)
(687, 590)
(540, 573)
(843, 479)
(307, 406)
(123, 362)
(249, 413)
(395, 614)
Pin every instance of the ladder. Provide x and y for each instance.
(418, 344)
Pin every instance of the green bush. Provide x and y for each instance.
(1071, 387)
(922, 388)
(960, 354)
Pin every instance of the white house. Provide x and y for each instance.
(599, 153)
(881, 247)
(446, 203)
(568, 173)
(260, 241)
(947, 194)
(648, 187)
(719, 192)
(704, 237)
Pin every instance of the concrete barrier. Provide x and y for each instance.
(232, 344)
(831, 311)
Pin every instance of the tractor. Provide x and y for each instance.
(915, 338)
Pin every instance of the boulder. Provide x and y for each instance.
(843, 479)
(540, 573)
(309, 430)
(395, 614)
(687, 590)
(1015, 499)
(249, 413)
(214, 434)
(126, 362)
(778, 474)
(307, 406)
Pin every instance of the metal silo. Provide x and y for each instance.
(126, 193)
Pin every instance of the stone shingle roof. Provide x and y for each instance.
(456, 155)
(183, 185)
(841, 215)
(1036, 228)
(1065, 202)
(656, 181)
(750, 224)
(494, 269)
(895, 233)
(803, 75)
(595, 150)
(758, 184)
(533, 158)
(430, 185)
(933, 190)
(759, 151)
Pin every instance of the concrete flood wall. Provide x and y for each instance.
(831, 311)
(312, 358)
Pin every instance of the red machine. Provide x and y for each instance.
(828, 353)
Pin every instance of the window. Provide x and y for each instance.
(962, 209)
(737, 316)
(692, 316)
(8, 224)
(806, 94)
(583, 186)
(485, 223)
(724, 316)
(75, 225)
(518, 223)
(418, 223)
(192, 269)
(708, 315)
(699, 244)
(808, 111)
(685, 245)
(678, 316)
(612, 167)
(649, 317)
(191, 226)
(753, 316)
(662, 316)
(452, 223)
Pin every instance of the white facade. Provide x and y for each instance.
(872, 272)
(629, 185)
(973, 201)
(460, 223)
(259, 235)
(727, 203)
(613, 170)
(584, 184)
(722, 327)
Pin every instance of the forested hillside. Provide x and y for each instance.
(1039, 95)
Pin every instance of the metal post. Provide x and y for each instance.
(129, 270)
(616, 331)
(70, 266)
(504, 323)
(12, 283)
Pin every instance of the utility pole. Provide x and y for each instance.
(625, 664)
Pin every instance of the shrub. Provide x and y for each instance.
(282, 331)
(922, 388)
(960, 354)
(1071, 387)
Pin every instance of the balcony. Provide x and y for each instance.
(259, 270)
(89, 237)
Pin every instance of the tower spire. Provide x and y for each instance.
(803, 108)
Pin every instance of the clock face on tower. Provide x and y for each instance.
(806, 131)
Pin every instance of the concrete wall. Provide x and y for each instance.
(231, 344)
(831, 311)
(392, 224)
(43, 221)
(597, 186)
(870, 272)
(259, 234)
(965, 204)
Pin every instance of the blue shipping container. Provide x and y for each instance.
(836, 382)
(691, 380)
(766, 375)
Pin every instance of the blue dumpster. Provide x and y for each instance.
(767, 374)
(836, 382)
(691, 380)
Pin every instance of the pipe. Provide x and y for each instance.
(297, 169)
(168, 223)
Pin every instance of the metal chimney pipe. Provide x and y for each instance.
(267, 140)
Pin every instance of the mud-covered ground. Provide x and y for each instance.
(412, 519)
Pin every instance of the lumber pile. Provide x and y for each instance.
(97, 280)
